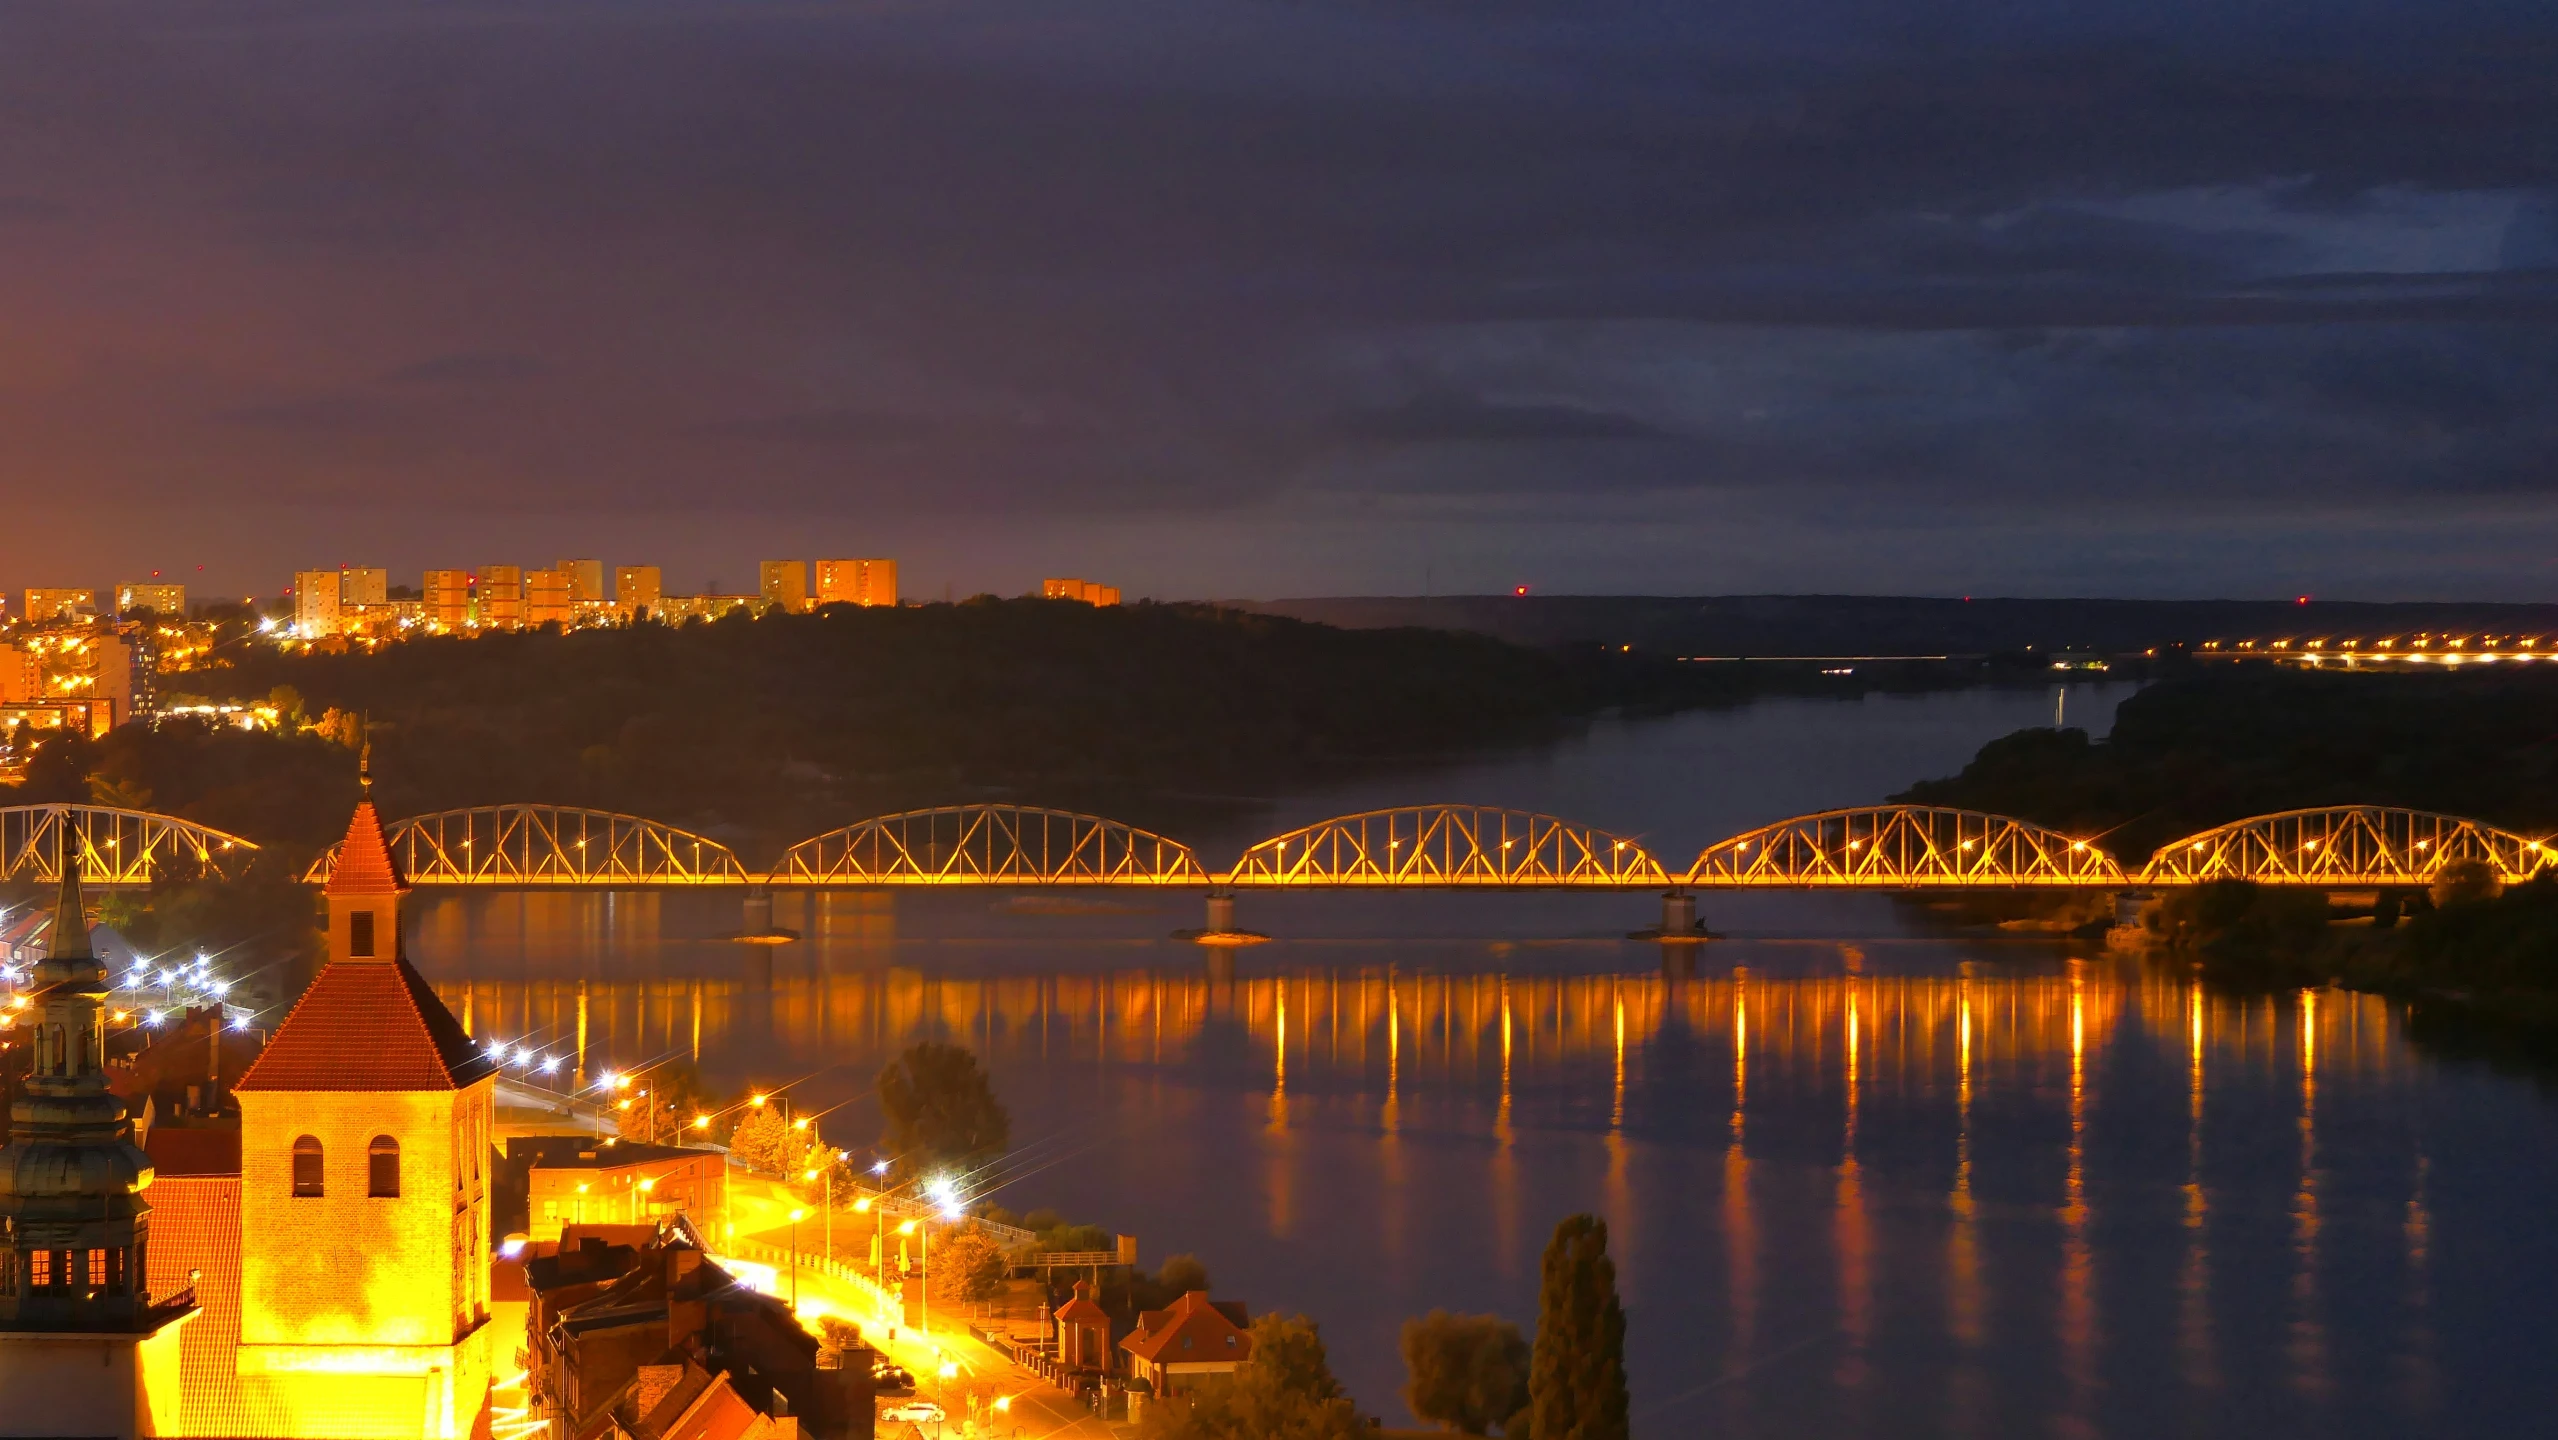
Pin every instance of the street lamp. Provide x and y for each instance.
(795, 1216)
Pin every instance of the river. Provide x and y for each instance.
(1861, 1177)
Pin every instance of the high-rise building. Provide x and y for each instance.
(315, 604)
(1085, 590)
(585, 580)
(127, 665)
(857, 582)
(546, 599)
(448, 599)
(363, 585)
(57, 603)
(169, 602)
(636, 588)
(784, 584)
(83, 1343)
(501, 597)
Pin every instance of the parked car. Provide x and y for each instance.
(916, 1412)
(889, 1378)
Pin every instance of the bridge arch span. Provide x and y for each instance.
(1448, 845)
(1916, 847)
(114, 847)
(539, 846)
(989, 845)
(2346, 845)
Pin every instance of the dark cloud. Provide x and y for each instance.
(1512, 282)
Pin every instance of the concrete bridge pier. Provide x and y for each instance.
(759, 910)
(1678, 912)
(1221, 912)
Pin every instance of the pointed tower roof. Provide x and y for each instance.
(364, 864)
(70, 937)
(366, 1025)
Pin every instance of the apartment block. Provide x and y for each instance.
(315, 604)
(585, 580)
(636, 588)
(47, 605)
(363, 585)
(784, 584)
(448, 599)
(167, 601)
(501, 595)
(857, 582)
(21, 674)
(1085, 590)
(547, 598)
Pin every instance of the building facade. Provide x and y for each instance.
(1085, 590)
(585, 580)
(46, 606)
(857, 582)
(637, 588)
(167, 601)
(783, 583)
(547, 599)
(448, 599)
(315, 603)
(501, 597)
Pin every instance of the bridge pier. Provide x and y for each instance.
(1221, 913)
(759, 910)
(1678, 912)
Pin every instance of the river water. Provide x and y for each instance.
(1861, 1177)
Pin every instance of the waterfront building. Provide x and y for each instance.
(45, 606)
(1089, 592)
(857, 582)
(167, 601)
(577, 1180)
(1171, 1348)
(84, 1348)
(448, 600)
(501, 596)
(636, 588)
(784, 583)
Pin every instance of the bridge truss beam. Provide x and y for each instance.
(1903, 847)
(545, 846)
(989, 845)
(120, 848)
(2354, 845)
(1448, 845)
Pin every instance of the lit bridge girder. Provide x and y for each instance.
(988, 845)
(2351, 845)
(542, 846)
(114, 847)
(1448, 845)
(1896, 847)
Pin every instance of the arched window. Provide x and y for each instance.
(306, 1168)
(382, 1168)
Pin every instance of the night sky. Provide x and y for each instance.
(1211, 298)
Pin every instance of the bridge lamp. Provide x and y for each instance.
(2078, 844)
(551, 1066)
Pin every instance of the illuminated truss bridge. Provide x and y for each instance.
(1902, 847)
(2348, 846)
(1448, 845)
(541, 846)
(113, 847)
(1883, 847)
(989, 845)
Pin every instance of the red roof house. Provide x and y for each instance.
(1195, 1336)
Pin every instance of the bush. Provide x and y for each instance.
(2243, 935)
(1286, 1393)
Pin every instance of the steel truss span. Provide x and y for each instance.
(539, 846)
(2350, 845)
(1448, 845)
(114, 847)
(1894, 847)
(989, 845)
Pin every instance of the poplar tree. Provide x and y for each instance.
(1576, 1382)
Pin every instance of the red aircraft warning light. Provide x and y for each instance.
(1518, 589)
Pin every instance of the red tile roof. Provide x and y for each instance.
(369, 1025)
(1212, 1336)
(364, 865)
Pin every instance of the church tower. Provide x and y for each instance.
(364, 1140)
(75, 1312)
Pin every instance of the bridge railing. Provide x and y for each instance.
(114, 847)
(2353, 845)
(989, 845)
(1448, 845)
(539, 846)
(1889, 847)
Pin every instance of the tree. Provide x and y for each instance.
(1468, 1372)
(1182, 1274)
(2458, 883)
(1286, 1393)
(941, 1109)
(967, 1265)
(1576, 1382)
(764, 1140)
